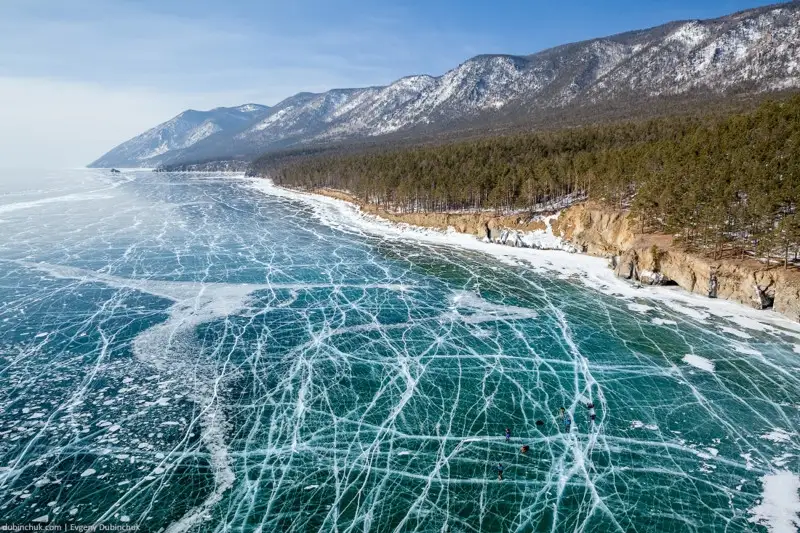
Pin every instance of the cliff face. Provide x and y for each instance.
(595, 229)
(655, 260)
(598, 230)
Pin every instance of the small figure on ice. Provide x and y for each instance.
(566, 419)
(524, 448)
(508, 435)
(592, 413)
(499, 471)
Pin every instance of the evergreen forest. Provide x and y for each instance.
(725, 185)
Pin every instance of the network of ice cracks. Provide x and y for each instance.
(194, 355)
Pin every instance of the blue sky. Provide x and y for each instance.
(105, 70)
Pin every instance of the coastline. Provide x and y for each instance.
(649, 259)
(591, 270)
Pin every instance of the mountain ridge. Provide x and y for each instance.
(185, 129)
(752, 51)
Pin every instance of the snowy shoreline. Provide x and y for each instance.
(592, 271)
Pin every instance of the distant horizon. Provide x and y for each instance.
(86, 77)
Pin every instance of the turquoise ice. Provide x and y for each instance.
(191, 353)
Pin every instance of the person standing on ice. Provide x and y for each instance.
(564, 416)
(508, 435)
(499, 472)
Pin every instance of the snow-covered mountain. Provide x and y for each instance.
(753, 51)
(185, 130)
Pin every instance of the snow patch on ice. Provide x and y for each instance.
(746, 350)
(736, 332)
(748, 460)
(782, 459)
(779, 508)
(700, 316)
(698, 361)
(778, 435)
(663, 322)
(470, 308)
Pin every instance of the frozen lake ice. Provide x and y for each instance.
(200, 353)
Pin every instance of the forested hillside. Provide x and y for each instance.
(726, 185)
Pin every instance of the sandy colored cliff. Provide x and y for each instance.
(647, 258)
(656, 259)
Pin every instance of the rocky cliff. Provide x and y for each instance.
(598, 230)
(656, 260)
